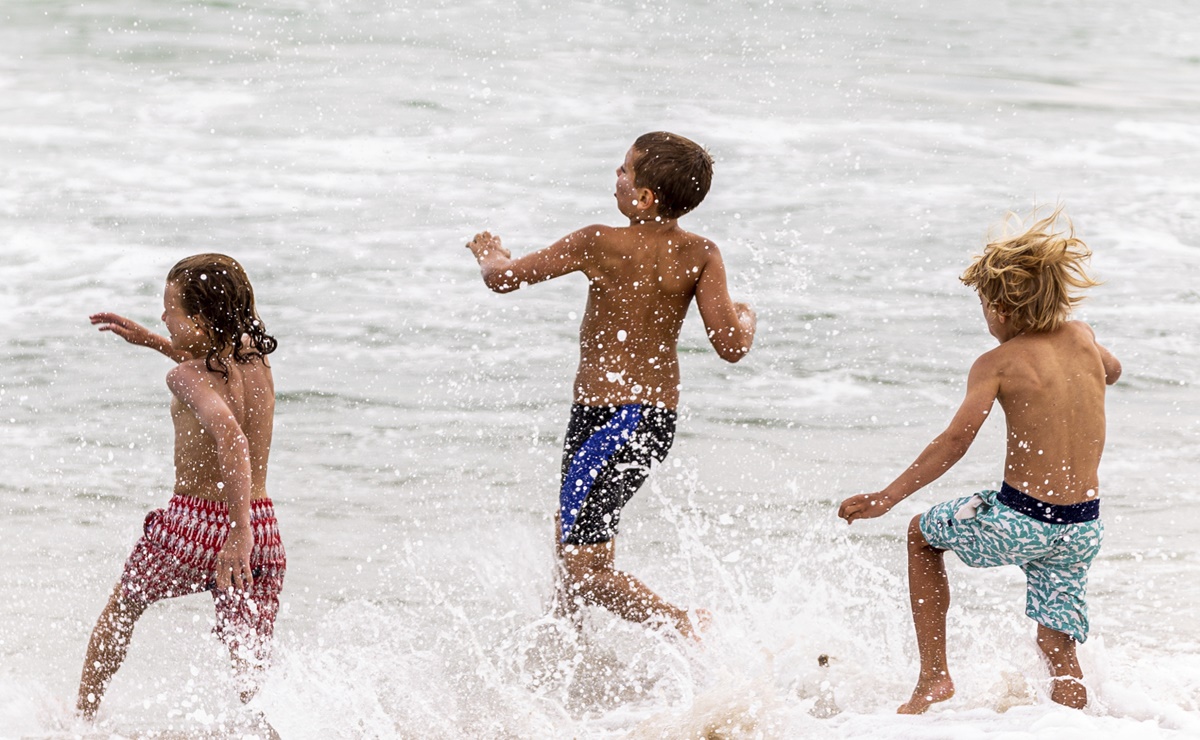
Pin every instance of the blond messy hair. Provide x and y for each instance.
(1030, 276)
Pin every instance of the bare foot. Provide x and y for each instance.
(692, 630)
(1068, 691)
(926, 693)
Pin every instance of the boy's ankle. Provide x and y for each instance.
(1068, 691)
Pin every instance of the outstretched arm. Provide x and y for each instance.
(730, 326)
(504, 274)
(983, 384)
(134, 333)
(192, 385)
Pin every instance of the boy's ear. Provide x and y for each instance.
(645, 199)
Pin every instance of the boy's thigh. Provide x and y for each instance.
(1057, 583)
(606, 459)
(984, 533)
(599, 515)
(161, 565)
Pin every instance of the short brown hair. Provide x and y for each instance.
(1031, 275)
(215, 288)
(677, 170)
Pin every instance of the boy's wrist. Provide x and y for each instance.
(891, 496)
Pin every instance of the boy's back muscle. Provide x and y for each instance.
(641, 283)
(1052, 388)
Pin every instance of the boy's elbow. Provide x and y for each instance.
(732, 354)
(236, 444)
(1112, 374)
(731, 349)
(731, 345)
(499, 281)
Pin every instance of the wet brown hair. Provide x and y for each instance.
(677, 170)
(1031, 275)
(214, 288)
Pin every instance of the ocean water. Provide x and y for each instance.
(345, 151)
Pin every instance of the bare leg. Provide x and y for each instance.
(106, 650)
(248, 650)
(1067, 685)
(565, 605)
(248, 676)
(589, 576)
(929, 596)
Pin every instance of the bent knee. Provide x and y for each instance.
(581, 562)
(916, 538)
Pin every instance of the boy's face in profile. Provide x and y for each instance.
(184, 331)
(626, 192)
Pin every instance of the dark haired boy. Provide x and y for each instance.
(641, 280)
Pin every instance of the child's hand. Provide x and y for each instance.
(747, 316)
(865, 506)
(130, 331)
(485, 244)
(233, 560)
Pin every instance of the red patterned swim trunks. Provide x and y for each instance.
(177, 555)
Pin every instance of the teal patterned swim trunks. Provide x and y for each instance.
(1054, 545)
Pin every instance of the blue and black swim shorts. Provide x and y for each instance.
(606, 458)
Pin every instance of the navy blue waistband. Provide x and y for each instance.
(1084, 511)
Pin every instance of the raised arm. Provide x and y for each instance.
(730, 326)
(134, 333)
(192, 385)
(983, 384)
(504, 274)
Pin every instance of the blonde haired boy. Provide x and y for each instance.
(1049, 375)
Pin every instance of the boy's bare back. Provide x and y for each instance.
(1051, 387)
(641, 280)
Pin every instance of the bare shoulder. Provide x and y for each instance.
(1078, 335)
(594, 235)
(698, 249)
(191, 378)
(1081, 329)
(188, 374)
(993, 362)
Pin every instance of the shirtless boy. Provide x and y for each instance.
(218, 533)
(641, 280)
(1049, 375)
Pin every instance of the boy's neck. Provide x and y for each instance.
(1008, 332)
(654, 222)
